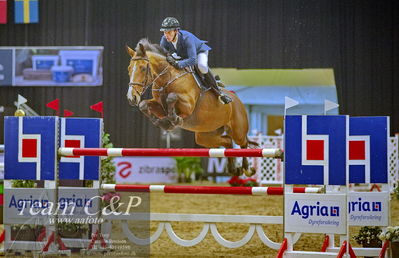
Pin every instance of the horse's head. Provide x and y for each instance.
(139, 74)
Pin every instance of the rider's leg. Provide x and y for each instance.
(209, 78)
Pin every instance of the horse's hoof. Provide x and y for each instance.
(177, 121)
(280, 154)
(250, 172)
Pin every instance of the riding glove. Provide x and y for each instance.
(172, 61)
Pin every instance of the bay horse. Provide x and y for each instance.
(178, 101)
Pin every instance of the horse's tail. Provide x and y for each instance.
(252, 144)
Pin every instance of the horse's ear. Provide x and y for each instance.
(142, 50)
(130, 51)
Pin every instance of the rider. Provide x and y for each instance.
(192, 51)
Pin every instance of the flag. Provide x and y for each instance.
(54, 104)
(68, 113)
(289, 102)
(3, 11)
(328, 105)
(98, 107)
(21, 100)
(26, 11)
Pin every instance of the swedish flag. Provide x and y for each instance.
(26, 11)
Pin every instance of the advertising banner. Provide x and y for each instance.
(367, 209)
(6, 68)
(37, 206)
(324, 213)
(145, 170)
(51, 66)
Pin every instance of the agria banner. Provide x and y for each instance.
(315, 213)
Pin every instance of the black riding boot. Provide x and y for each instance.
(210, 80)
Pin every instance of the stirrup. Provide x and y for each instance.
(224, 99)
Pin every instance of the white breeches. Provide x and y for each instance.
(203, 62)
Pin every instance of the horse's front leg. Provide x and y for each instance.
(171, 100)
(155, 112)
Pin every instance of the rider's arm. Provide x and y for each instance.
(191, 53)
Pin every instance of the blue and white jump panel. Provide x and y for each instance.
(31, 145)
(368, 150)
(80, 133)
(315, 150)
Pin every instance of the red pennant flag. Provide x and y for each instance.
(54, 104)
(3, 11)
(98, 107)
(68, 113)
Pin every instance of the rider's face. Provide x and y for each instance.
(170, 35)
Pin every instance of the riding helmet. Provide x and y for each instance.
(170, 23)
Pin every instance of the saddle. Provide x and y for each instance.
(201, 82)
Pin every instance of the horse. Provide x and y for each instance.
(178, 101)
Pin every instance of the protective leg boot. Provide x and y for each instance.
(224, 99)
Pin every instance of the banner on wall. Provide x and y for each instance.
(51, 66)
(145, 170)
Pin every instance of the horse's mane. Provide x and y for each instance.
(148, 46)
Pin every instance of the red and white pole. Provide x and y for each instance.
(182, 189)
(155, 152)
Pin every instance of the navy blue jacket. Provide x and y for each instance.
(188, 47)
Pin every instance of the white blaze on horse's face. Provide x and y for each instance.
(131, 93)
(137, 79)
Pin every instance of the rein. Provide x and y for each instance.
(148, 73)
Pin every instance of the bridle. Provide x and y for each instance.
(148, 74)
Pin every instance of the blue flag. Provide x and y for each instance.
(26, 11)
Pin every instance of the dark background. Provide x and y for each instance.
(358, 39)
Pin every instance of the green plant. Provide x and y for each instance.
(396, 191)
(26, 232)
(72, 229)
(186, 166)
(368, 236)
(391, 234)
(110, 200)
(23, 183)
(107, 171)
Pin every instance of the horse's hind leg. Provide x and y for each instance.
(215, 139)
(238, 131)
